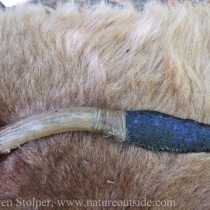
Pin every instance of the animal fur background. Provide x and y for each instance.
(109, 57)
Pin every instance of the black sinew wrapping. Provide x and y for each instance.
(161, 132)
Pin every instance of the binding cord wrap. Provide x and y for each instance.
(110, 123)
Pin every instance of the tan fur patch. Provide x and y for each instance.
(157, 59)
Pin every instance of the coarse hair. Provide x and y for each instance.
(109, 57)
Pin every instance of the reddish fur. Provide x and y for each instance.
(73, 59)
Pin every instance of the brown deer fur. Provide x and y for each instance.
(108, 57)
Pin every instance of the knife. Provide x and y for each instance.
(148, 129)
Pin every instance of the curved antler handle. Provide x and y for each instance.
(59, 121)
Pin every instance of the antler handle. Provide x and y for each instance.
(59, 121)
